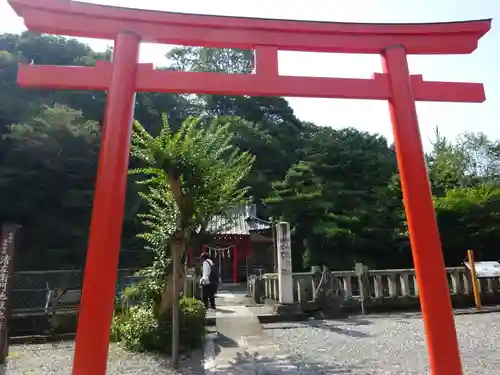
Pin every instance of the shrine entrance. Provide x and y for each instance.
(226, 269)
(224, 257)
(124, 76)
(231, 256)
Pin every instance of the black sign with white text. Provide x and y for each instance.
(7, 250)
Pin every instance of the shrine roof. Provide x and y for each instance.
(240, 221)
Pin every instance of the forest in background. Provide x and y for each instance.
(339, 188)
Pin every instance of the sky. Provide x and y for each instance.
(373, 116)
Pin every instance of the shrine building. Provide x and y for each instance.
(241, 244)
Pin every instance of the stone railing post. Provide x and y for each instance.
(267, 288)
(270, 286)
(405, 286)
(467, 283)
(378, 287)
(347, 286)
(456, 282)
(393, 291)
(301, 292)
(415, 285)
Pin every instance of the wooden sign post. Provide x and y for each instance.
(7, 250)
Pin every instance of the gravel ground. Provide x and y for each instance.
(389, 344)
(51, 359)
(392, 344)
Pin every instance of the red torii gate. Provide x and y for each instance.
(124, 76)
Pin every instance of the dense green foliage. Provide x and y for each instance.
(140, 328)
(205, 164)
(338, 187)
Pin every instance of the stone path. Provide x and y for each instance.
(239, 344)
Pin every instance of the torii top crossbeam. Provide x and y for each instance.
(71, 18)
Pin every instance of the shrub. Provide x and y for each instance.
(148, 290)
(120, 317)
(192, 326)
(140, 329)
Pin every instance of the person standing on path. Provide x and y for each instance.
(209, 280)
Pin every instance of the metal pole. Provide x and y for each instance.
(475, 280)
(175, 302)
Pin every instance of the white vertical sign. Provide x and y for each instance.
(285, 279)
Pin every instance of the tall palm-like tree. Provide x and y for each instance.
(191, 175)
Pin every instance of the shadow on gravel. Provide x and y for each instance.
(256, 364)
(227, 311)
(222, 341)
(188, 365)
(332, 326)
(356, 321)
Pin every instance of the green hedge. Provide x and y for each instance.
(139, 329)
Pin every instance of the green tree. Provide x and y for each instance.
(47, 180)
(336, 199)
(470, 160)
(299, 200)
(270, 131)
(469, 218)
(344, 182)
(18, 104)
(202, 59)
(191, 175)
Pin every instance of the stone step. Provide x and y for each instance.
(264, 313)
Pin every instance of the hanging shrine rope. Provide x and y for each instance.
(219, 251)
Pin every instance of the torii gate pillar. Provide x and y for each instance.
(424, 234)
(107, 216)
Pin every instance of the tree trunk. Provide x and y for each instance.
(177, 249)
(167, 298)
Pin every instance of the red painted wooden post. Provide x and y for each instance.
(235, 264)
(432, 281)
(99, 285)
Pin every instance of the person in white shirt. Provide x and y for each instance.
(209, 280)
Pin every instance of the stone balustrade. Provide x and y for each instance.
(385, 288)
